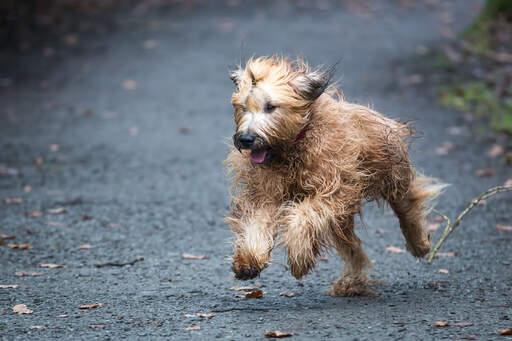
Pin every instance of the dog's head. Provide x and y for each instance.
(272, 104)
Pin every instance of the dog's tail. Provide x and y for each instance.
(412, 210)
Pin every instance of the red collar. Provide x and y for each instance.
(302, 133)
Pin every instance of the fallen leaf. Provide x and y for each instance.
(466, 337)
(505, 331)
(59, 210)
(21, 309)
(56, 224)
(504, 227)
(85, 246)
(244, 288)
(54, 148)
(86, 217)
(189, 256)
(38, 327)
(129, 84)
(62, 316)
(444, 271)
(27, 189)
(445, 148)
(276, 334)
(19, 246)
(446, 254)
(33, 213)
(287, 294)
(28, 273)
(432, 227)
(10, 201)
(441, 324)
(4, 236)
(254, 294)
(394, 249)
(97, 326)
(485, 172)
(508, 183)
(463, 324)
(90, 306)
(495, 150)
(150, 44)
(192, 327)
(52, 266)
(9, 286)
(210, 315)
(323, 259)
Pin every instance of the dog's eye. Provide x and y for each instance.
(269, 108)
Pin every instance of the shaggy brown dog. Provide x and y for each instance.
(304, 162)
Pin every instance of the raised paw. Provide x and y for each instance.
(245, 271)
(420, 249)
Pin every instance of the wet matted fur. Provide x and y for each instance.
(303, 162)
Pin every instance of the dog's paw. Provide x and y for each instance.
(301, 265)
(344, 288)
(245, 271)
(420, 249)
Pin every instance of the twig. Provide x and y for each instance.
(241, 309)
(140, 259)
(451, 227)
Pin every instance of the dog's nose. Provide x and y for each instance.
(246, 140)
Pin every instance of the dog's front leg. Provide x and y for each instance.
(306, 228)
(255, 241)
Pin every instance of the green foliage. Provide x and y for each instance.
(478, 97)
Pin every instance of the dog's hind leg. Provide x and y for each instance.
(411, 211)
(353, 280)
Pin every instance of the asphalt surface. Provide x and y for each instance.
(139, 173)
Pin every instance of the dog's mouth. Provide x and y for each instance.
(260, 156)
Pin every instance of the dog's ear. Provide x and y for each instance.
(236, 75)
(311, 84)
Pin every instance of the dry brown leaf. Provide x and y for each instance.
(192, 327)
(9, 286)
(466, 337)
(254, 294)
(19, 246)
(97, 326)
(323, 259)
(276, 334)
(463, 324)
(485, 172)
(446, 254)
(21, 309)
(445, 148)
(210, 315)
(85, 246)
(189, 256)
(4, 236)
(505, 331)
(129, 84)
(56, 224)
(496, 150)
(287, 294)
(441, 324)
(432, 227)
(59, 210)
(90, 306)
(508, 183)
(33, 213)
(52, 266)
(245, 288)
(27, 188)
(38, 327)
(444, 271)
(504, 227)
(28, 273)
(12, 201)
(394, 249)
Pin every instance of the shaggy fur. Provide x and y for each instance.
(322, 158)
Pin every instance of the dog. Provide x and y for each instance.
(302, 163)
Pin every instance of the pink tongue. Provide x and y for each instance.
(258, 156)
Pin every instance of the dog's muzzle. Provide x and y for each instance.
(261, 153)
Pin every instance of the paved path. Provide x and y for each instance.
(140, 175)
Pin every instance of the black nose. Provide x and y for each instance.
(246, 140)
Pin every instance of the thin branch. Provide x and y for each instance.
(451, 227)
(140, 259)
